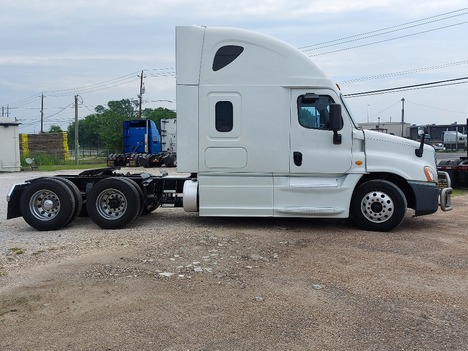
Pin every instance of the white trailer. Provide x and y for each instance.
(454, 140)
(262, 131)
(168, 134)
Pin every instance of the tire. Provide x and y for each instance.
(140, 194)
(168, 160)
(76, 194)
(378, 205)
(47, 204)
(113, 203)
(144, 209)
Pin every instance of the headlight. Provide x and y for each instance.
(430, 174)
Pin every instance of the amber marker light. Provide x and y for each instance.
(358, 162)
(430, 176)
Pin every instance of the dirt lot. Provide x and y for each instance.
(174, 281)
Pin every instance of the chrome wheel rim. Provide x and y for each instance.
(377, 207)
(111, 204)
(44, 205)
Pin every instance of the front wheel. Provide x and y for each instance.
(378, 205)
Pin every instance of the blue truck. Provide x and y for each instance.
(141, 136)
(145, 146)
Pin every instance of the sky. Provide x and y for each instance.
(97, 49)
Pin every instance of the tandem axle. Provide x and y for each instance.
(112, 200)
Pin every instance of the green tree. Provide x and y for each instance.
(88, 135)
(104, 129)
(157, 115)
(111, 120)
(55, 129)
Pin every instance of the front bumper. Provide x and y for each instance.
(445, 186)
(430, 196)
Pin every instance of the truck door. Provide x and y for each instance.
(311, 139)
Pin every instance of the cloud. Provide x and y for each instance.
(226, 10)
(65, 60)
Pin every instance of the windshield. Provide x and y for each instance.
(343, 101)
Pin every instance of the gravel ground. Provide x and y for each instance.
(174, 281)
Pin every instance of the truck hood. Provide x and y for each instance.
(385, 152)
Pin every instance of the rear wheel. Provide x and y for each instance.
(77, 196)
(47, 204)
(113, 203)
(140, 194)
(378, 205)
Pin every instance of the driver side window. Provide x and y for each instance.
(314, 111)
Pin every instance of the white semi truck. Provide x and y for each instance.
(262, 132)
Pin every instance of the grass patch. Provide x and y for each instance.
(459, 191)
(16, 251)
(51, 162)
(72, 166)
(38, 252)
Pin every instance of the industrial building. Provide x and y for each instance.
(407, 130)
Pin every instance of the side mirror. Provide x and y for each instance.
(336, 122)
(422, 130)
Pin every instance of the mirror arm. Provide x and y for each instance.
(419, 151)
(336, 138)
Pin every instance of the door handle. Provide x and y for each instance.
(297, 157)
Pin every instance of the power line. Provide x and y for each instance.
(79, 90)
(24, 101)
(170, 71)
(398, 102)
(94, 87)
(161, 72)
(401, 73)
(112, 83)
(389, 39)
(386, 109)
(62, 109)
(382, 31)
(88, 108)
(436, 108)
(436, 84)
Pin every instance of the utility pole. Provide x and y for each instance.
(402, 116)
(42, 113)
(142, 91)
(7, 109)
(77, 154)
(140, 96)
